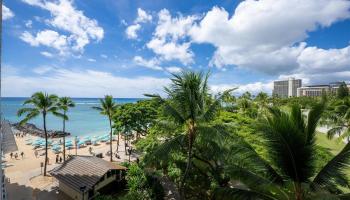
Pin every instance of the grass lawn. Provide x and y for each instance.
(334, 145)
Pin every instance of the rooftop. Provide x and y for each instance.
(81, 171)
(9, 142)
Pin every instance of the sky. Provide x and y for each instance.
(127, 48)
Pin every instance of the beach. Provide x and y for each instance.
(25, 173)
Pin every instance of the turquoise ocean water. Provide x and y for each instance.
(83, 120)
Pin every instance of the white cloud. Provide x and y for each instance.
(86, 83)
(142, 17)
(46, 54)
(151, 64)
(172, 50)
(317, 60)
(82, 30)
(267, 42)
(104, 56)
(42, 70)
(6, 13)
(47, 38)
(169, 37)
(319, 78)
(316, 66)
(91, 60)
(253, 88)
(173, 69)
(123, 22)
(29, 23)
(131, 31)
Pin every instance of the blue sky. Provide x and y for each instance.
(127, 48)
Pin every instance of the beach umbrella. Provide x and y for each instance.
(37, 143)
(56, 148)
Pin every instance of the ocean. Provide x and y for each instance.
(83, 120)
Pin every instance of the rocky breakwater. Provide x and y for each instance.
(31, 129)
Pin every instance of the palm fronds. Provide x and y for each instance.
(288, 145)
(241, 193)
(163, 151)
(332, 173)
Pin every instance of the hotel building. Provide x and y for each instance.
(313, 90)
(286, 88)
(318, 90)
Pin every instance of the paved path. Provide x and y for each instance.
(21, 188)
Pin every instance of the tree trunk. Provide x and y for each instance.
(110, 139)
(64, 138)
(125, 144)
(45, 132)
(191, 133)
(76, 145)
(298, 191)
(118, 143)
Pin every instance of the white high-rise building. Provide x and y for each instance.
(286, 88)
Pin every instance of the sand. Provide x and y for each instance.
(26, 172)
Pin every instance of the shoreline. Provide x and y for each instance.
(32, 129)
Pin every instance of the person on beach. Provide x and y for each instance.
(56, 158)
(90, 150)
(22, 154)
(60, 159)
(11, 155)
(16, 156)
(36, 153)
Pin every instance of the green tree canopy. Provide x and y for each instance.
(343, 90)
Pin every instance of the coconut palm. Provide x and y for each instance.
(41, 103)
(262, 98)
(338, 116)
(188, 106)
(107, 108)
(64, 103)
(289, 170)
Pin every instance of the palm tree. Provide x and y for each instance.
(107, 108)
(262, 98)
(289, 171)
(42, 103)
(64, 103)
(338, 116)
(188, 105)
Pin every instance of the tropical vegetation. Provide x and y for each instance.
(194, 144)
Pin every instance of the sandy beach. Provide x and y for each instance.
(25, 173)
